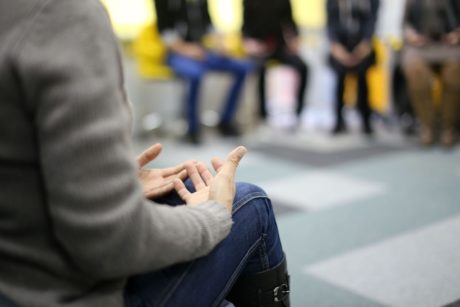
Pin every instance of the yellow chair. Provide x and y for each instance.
(150, 53)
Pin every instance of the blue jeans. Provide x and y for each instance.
(194, 70)
(252, 246)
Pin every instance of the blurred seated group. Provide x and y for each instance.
(269, 31)
(270, 34)
(432, 50)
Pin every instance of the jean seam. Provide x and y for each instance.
(247, 199)
(173, 288)
(263, 255)
(236, 273)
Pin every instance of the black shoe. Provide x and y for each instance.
(228, 129)
(367, 130)
(193, 138)
(339, 128)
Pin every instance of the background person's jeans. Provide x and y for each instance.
(252, 246)
(194, 70)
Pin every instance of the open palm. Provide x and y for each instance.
(219, 187)
(158, 182)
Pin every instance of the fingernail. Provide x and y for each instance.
(242, 150)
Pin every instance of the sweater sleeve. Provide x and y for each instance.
(69, 67)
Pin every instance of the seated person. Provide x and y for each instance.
(183, 25)
(432, 47)
(76, 225)
(270, 33)
(351, 26)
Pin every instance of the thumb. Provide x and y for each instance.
(237, 154)
(149, 154)
(234, 159)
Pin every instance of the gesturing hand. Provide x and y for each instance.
(157, 182)
(415, 38)
(220, 187)
(342, 55)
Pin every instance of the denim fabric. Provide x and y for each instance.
(194, 70)
(4, 302)
(252, 246)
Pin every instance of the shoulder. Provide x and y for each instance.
(53, 17)
(65, 23)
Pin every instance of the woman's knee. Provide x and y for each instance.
(416, 69)
(251, 195)
(254, 220)
(450, 74)
(246, 190)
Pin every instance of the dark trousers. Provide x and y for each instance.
(360, 71)
(286, 58)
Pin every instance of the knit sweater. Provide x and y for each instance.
(74, 223)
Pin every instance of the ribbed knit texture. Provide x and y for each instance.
(73, 220)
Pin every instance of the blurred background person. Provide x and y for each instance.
(183, 25)
(270, 33)
(350, 27)
(432, 48)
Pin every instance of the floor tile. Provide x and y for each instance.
(317, 189)
(420, 268)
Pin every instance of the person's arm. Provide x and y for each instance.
(290, 29)
(253, 46)
(411, 35)
(332, 13)
(69, 68)
(455, 5)
(338, 51)
(288, 23)
(453, 15)
(207, 18)
(371, 20)
(248, 15)
(166, 21)
(364, 48)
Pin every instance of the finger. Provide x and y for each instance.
(181, 190)
(205, 173)
(170, 179)
(159, 191)
(217, 163)
(194, 175)
(173, 170)
(149, 154)
(182, 175)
